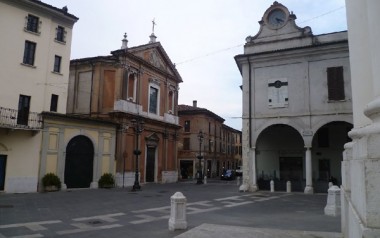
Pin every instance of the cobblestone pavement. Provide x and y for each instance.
(121, 213)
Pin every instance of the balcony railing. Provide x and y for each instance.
(133, 108)
(11, 118)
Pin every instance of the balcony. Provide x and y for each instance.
(133, 108)
(14, 119)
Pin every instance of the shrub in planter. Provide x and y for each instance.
(106, 181)
(51, 182)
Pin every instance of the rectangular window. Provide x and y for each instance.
(23, 110)
(60, 34)
(32, 23)
(186, 143)
(29, 52)
(335, 83)
(57, 64)
(153, 98)
(187, 126)
(53, 103)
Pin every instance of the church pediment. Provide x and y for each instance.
(278, 25)
(152, 139)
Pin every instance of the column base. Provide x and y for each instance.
(309, 190)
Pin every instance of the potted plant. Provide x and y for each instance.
(51, 182)
(106, 181)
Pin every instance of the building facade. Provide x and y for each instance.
(360, 189)
(220, 146)
(137, 88)
(297, 106)
(35, 46)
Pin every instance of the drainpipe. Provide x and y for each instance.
(250, 104)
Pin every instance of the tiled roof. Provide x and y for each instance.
(186, 110)
(60, 10)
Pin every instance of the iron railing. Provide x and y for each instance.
(11, 118)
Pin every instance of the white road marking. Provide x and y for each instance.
(27, 236)
(33, 226)
(84, 227)
(106, 217)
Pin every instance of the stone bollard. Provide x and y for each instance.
(333, 201)
(177, 220)
(205, 180)
(288, 187)
(272, 186)
(330, 184)
(238, 180)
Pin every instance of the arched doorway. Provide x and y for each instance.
(79, 162)
(327, 152)
(280, 157)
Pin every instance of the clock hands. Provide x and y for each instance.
(279, 20)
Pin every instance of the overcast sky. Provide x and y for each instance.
(200, 36)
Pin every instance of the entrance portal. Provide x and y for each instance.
(3, 166)
(79, 162)
(150, 164)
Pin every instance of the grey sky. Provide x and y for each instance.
(200, 36)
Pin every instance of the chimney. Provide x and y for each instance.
(124, 44)
(194, 103)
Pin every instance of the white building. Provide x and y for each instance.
(35, 49)
(361, 166)
(297, 105)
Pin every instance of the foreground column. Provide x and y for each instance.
(309, 173)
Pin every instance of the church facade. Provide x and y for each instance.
(297, 106)
(137, 88)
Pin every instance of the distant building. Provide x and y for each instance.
(361, 166)
(220, 148)
(136, 88)
(35, 55)
(297, 104)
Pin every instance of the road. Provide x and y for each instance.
(120, 212)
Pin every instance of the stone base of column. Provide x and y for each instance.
(309, 190)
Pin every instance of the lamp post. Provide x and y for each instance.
(200, 177)
(138, 126)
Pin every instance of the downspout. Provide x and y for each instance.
(249, 104)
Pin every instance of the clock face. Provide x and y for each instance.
(277, 18)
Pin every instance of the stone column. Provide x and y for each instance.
(252, 170)
(309, 172)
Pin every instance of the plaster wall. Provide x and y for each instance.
(22, 164)
(37, 81)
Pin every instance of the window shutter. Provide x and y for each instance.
(335, 83)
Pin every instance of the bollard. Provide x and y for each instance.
(330, 184)
(238, 180)
(272, 186)
(205, 180)
(333, 201)
(288, 187)
(177, 220)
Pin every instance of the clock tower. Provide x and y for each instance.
(278, 24)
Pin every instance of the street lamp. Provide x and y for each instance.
(138, 127)
(200, 177)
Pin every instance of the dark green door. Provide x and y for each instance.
(3, 166)
(79, 162)
(150, 164)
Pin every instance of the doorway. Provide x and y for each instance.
(79, 162)
(3, 166)
(150, 164)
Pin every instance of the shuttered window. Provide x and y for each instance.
(335, 83)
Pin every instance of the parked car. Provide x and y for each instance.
(228, 175)
(239, 171)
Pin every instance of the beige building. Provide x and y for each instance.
(297, 106)
(220, 146)
(360, 189)
(35, 53)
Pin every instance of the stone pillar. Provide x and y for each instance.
(252, 170)
(309, 173)
(272, 186)
(288, 187)
(333, 201)
(177, 218)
